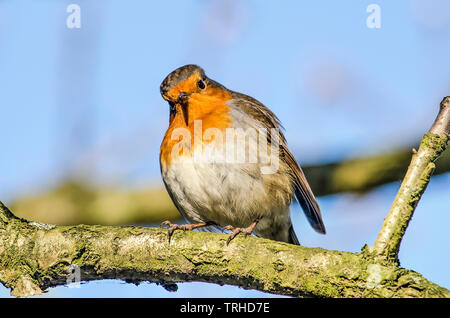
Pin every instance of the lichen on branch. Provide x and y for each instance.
(34, 257)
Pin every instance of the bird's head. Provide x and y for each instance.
(190, 82)
(183, 82)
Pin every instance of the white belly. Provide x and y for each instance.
(216, 192)
(226, 194)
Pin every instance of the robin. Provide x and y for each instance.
(208, 185)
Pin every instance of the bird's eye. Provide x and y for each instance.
(201, 84)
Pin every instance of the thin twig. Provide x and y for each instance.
(414, 184)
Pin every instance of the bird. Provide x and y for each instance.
(212, 189)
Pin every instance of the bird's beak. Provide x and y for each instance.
(183, 97)
(185, 113)
(183, 102)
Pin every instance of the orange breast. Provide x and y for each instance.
(210, 108)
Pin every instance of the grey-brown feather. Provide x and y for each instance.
(303, 192)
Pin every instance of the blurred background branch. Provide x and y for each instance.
(77, 202)
(362, 174)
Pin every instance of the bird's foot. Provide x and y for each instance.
(184, 227)
(236, 230)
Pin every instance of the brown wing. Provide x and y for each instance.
(303, 192)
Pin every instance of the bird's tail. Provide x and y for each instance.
(292, 236)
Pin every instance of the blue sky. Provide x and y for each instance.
(86, 101)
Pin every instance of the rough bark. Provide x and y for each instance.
(36, 256)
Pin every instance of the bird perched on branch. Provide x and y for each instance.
(226, 164)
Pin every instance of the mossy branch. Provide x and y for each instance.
(35, 256)
(414, 184)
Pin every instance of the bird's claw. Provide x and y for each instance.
(235, 232)
(172, 228)
(184, 227)
(227, 228)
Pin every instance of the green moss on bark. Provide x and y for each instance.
(33, 258)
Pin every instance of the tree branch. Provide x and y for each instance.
(35, 256)
(414, 184)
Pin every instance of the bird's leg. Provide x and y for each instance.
(184, 227)
(236, 230)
